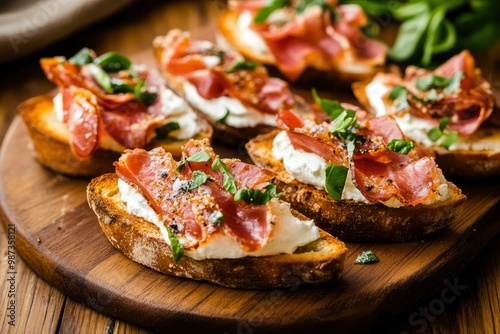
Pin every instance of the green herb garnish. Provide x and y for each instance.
(229, 183)
(143, 95)
(113, 62)
(242, 65)
(329, 107)
(101, 77)
(401, 146)
(266, 11)
(344, 121)
(255, 196)
(199, 177)
(198, 157)
(335, 180)
(367, 257)
(449, 137)
(119, 86)
(342, 125)
(82, 57)
(177, 249)
(163, 131)
(399, 96)
(435, 81)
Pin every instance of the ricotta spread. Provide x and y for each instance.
(288, 234)
(310, 168)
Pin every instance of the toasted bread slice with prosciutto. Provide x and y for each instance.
(158, 213)
(237, 96)
(104, 105)
(449, 110)
(357, 176)
(306, 42)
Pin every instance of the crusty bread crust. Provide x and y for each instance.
(355, 221)
(318, 262)
(51, 143)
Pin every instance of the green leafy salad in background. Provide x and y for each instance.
(428, 28)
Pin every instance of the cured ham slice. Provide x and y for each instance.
(88, 109)
(467, 106)
(154, 174)
(223, 74)
(379, 173)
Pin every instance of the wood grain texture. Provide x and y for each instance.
(474, 311)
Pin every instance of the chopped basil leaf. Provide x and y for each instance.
(119, 86)
(217, 218)
(143, 95)
(335, 180)
(198, 157)
(223, 118)
(101, 77)
(366, 257)
(229, 183)
(177, 249)
(435, 81)
(265, 11)
(199, 177)
(432, 96)
(242, 65)
(330, 107)
(434, 134)
(113, 62)
(455, 82)
(340, 125)
(450, 139)
(255, 196)
(163, 131)
(400, 146)
(82, 57)
(398, 94)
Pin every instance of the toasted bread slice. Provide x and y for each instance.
(234, 136)
(351, 220)
(51, 141)
(477, 155)
(318, 71)
(318, 262)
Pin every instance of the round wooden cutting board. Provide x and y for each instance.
(59, 237)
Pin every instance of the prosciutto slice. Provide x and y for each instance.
(88, 109)
(379, 173)
(184, 57)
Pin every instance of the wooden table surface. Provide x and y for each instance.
(41, 308)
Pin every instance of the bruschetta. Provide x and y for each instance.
(357, 176)
(237, 96)
(451, 110)
(211, 219)
(103, 105)
(307, 41)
